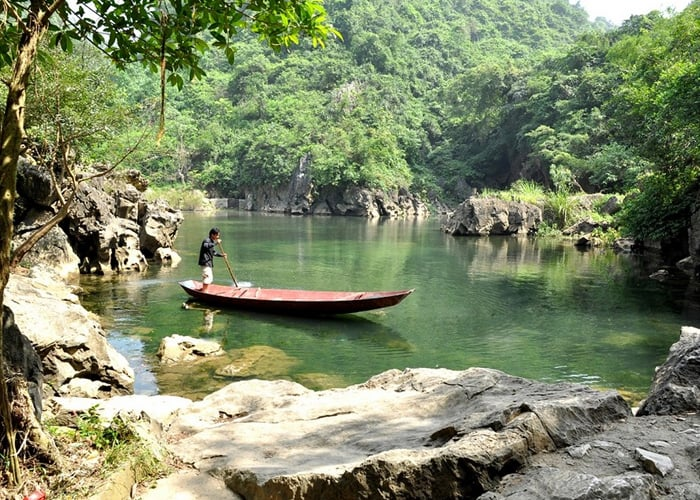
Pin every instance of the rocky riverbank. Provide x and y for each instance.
(412, 434)
(416, 433)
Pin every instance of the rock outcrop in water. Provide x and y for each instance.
(492, 216)
(300, 197)
(76, 358)
(676, 387)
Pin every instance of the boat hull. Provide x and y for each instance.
(288, 301)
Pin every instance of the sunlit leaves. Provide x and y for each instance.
(177, 32)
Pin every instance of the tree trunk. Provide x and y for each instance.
(11, 137)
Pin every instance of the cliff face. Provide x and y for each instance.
(694, 235)
(352, 201)
(110, 226)
(491, 216)
(301, 197)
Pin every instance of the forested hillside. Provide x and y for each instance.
(436, 96)
(380, 109)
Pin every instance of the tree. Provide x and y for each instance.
(167, 37)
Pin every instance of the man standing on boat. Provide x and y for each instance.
(207, 252)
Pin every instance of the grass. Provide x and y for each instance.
(560, 209)
(91, 451)
(521, 191)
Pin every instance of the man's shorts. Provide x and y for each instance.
(207, 275)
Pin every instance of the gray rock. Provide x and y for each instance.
(585, 227)
(34, 183)
(179, 349)
(53, 251)
(654, 463)
(158, 227)
(579, 451)
(546, 483)
(624, 245)
(110, 226)
(299, 197)
(70, 341)
(168, 256)
(676, 386)
(690, 266)
(21, 358)
(420, 433)
(119, 249)
(611, 207)
(492, 216)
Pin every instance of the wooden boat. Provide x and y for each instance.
(288, 301)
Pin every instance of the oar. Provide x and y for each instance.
(227, 264)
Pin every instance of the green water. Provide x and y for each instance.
(535, 308)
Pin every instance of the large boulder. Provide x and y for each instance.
(52, 251)
(180, 349)
(158, 227)
(34, 183)
(492, 216)
(676, 386)
(76, 357)
(418, 433)
(110, 227)
(21, 358)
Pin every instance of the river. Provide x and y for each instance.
(536, 308)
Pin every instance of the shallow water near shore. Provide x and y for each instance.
(535, 308)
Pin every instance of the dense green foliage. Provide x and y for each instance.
(371, 110)
(170, 39)
(444, 96)
(615, 112)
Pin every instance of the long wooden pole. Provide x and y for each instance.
(227, 264)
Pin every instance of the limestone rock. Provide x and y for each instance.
(299, 197)
(549, 482)
(179, 349)
(53, 251)
(492, 216)
(676, 386)
(69, 339)
(158, 227)
(35, 183)
(110, 226)
(20, 357)
(168, 256)
(419, 433)
(654, 463)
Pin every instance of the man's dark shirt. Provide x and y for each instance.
(207, 252)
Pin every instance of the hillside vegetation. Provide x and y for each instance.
(438, 96)
(375, 109)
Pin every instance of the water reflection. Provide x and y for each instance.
(534, 308)
(349, 327)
